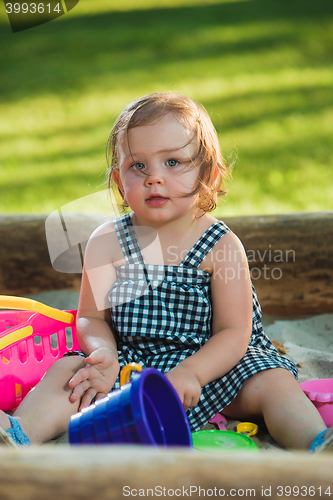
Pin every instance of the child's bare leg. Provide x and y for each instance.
(290, 417)
(45, 412)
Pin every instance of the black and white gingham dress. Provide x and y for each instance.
(162, 314)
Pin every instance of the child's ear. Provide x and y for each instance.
(117, 180)
(216, 171)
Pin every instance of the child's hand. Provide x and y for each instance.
(95, 380)
(187, 385)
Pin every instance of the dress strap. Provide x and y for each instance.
(205, 243)
(128, 240)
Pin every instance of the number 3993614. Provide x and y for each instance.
(32, 8)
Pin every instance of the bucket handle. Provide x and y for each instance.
(9, 302)
(126, 372)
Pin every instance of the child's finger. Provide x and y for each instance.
(87, 398)
(95, 357)
(102, 386)
(100, 395)
(190, 401)
(187, 402)
(79, 390)
(79, 377)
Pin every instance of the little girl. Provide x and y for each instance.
(167, 285)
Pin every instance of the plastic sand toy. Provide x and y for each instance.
(32, 337)
(320, 392)
(146, 410)
(216, 441)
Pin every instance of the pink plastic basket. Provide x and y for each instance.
(30, 342)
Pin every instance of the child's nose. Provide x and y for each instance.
(154, 176)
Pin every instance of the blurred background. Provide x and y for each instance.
(263, 69)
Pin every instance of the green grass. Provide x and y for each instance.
(263, 70)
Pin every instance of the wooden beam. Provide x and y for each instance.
(109, 472)
(290, 258)
(291, 262)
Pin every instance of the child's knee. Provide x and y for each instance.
(261, 386)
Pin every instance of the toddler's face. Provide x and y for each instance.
(156, 168)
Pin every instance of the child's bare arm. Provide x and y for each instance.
(98, 341)
(231, 296)
(94, 332)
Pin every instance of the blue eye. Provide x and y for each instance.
(172, 163)
(138, 166)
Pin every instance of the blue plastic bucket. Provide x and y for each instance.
(145, 410)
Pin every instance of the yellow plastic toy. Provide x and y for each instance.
(247, 428)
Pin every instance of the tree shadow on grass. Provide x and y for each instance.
(269, 105)
(68, 55)
(145, 48)
(56, 189)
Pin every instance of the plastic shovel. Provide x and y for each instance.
(218, 419)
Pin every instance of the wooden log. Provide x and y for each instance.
(25, 263)
(290, 258)
(115, 473)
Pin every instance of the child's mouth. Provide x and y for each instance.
(156, 200)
